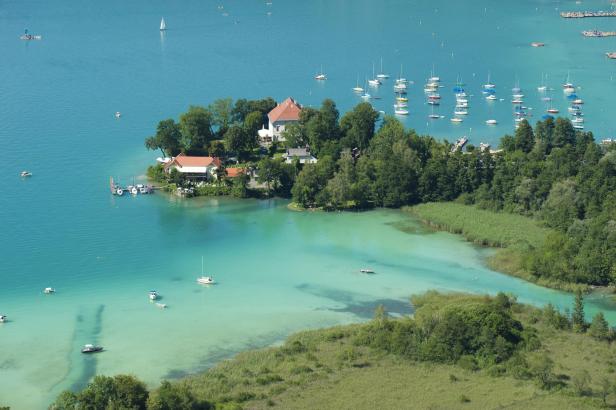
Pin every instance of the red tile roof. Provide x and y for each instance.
(288, 110)
(187, 161)
(235, 172)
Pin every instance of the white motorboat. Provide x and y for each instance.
(2, 318)
(118, 114)
(28, 37)
(119, 191)
(401, 111)
(553, 110)
(491, 122)
(374, 83)
(153, 295)
(578, 127)
(49, 291)
(134, 190)
(456, 120)
(163, 25)
(491, 97)
(460, 112)
(24, 174)
(89, 348)
(366, 270)
(434, 116)
(161, 305)
(577, 120)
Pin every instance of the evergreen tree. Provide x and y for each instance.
(524, 137)
(577, 318)
(599, 328)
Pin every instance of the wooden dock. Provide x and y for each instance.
(597, 33)
(586, 14)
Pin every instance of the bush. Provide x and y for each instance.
(301, 370)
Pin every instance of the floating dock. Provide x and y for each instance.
(585, 14)
(597, 33)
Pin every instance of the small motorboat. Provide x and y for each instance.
(49, 291)
(537, 44)
(2, 318)
(24, 174)
(153, 295)
(26, 36)
(119, 191)
(374, 83)
(89, 348)
(434, 102)
(553, 110)
(456, 120)
(205, 280)
(366, 270)
(491, 122)
(358, 89)
(161, 305)
(434, 116)
(320, 77)
(118, 114)
(460, 112)
(401, 111)
(491, 97)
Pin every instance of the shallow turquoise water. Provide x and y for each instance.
(279, 271)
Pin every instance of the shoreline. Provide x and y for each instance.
(506, 258)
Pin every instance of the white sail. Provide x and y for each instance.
(163, 26)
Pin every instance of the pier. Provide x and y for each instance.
(597, 33)
(585, 14)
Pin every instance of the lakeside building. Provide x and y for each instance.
(284, 114)
(195, 168)
(234, 172)
(302, 154)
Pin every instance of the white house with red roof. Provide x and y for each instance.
(194, 167)
(285, 113)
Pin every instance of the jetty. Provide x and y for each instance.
(597, 33)
(585, 14)
(611, 55)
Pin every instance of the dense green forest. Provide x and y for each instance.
(552, 173)
(457, 348)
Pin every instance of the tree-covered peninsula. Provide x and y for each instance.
(560, 177)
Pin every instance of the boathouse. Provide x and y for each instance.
(285, 113)
(196, 168)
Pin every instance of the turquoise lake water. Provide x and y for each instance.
(279, 271)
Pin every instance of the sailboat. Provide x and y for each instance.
(381, 75)
(163, 25)
(204, 280)
(542, 87)
(321, 76)
(365, 95)
(374, 82)
(401, 80)
(489, 85)
(357, 88)
(568, 86)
